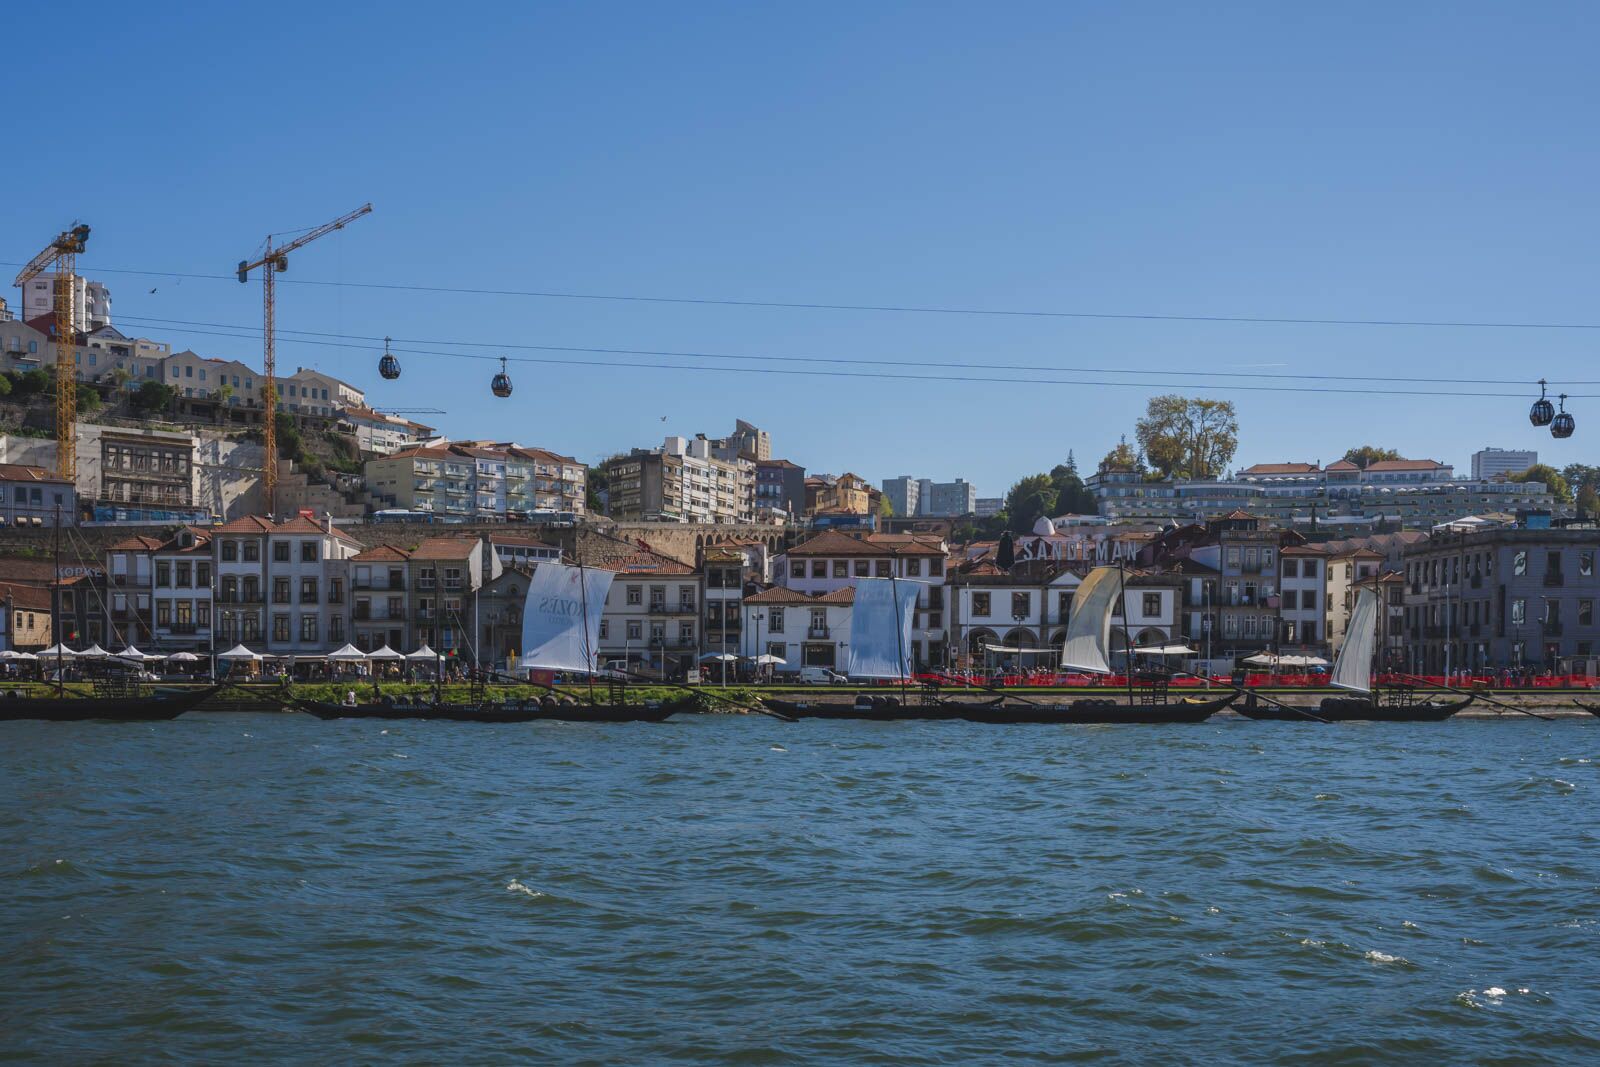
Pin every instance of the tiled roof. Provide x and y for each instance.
(834, 543)
(137, 543)
(1282, 468)
(779, 595)
(22, 472)
(445, 548)
(247, 524)
(1404, 465)
(381, 554)
(518, 539)
(1301, 550)
(1342, 465)
(644, 561)
(28, 597)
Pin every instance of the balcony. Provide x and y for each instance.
(817, 633)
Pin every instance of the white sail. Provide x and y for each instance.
(561, 617)
(880, 628)
(1352, 667)
(1089, 625)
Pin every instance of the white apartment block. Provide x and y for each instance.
(479, 481)
(682, 481)
(1490, 463)
(381, 434)
(91, 302)
(652, 615)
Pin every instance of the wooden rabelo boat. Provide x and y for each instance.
(880, 708)
(1352, 670)
(535, 709)
(129, 706)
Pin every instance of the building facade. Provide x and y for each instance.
(682, 481)
(1490, 463)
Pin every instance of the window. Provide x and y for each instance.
(1552, 563)
(184, 571)
(280, 591)
(308, 590)
(1586, 563)
(605, 629)
(308, 628)
(635, 631)
(1021, 605)
(202, 614)
(841, 568)
(980, 605)
(881, 569)
(308, 551)
(163, 573)
(658, 633)
(336, 630)
(336, 590)
(1290, 600)
(797, 569)
(1585, 613)
(1152, 605)
(252, 551)
(185, 615)
(1519, 611)
(861, 568)
(230, 551)
(913, 568)
(775, 621)
(1308, 568)
(1519, 563)
(202, 575)
(1290, 569)
(819, 568)
(636, 594)
(685, 632)
(163, 613)
(280, 627)
(1064, 605)
(935, 567)
(280, 552)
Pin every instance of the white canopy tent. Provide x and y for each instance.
(385, 653)
(1165, 650)
(768, 660)
(421, 655)
(240, 652)
(347, 654)
(12, 655)
(718, 657)
(134, 655)
(57, 650)
(1266, 659)
(94, 651)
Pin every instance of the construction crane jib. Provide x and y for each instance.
(62, 255)
(274, 261)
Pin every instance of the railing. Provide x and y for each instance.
(372, 583)
(817, 633)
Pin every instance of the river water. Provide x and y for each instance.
(739, 890)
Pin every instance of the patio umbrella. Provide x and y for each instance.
(347, 654)
(718, 657)
(13, 654)
(385, 653)
(183, 657)
(240, 652)
(766, 659)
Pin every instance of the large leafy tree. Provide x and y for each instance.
(1367, 455)
(1028, 500)
(1123, 457)
(1072, 496)
(1552, 479)
(1188, 437)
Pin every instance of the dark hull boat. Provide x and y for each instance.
(510, 712)
(1101, 712)
(132, 708)
(1592, 709)
(877, 709)
(1357, 709)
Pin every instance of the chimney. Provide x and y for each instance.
(327, 522)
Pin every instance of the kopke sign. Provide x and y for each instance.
(1076, 549)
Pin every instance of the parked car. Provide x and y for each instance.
(821, 676)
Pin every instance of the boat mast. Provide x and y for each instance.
(1127, 631)
(899, 632)
(583, 603)
(61, 683)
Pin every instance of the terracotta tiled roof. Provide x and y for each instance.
(1403, 465)
(835, 543)
(22, 472)
(1342, 465)
(783, 463)
(780, 595)
(1282, 468)
(644, 561)
(381, 554)
(27, 597)
(445, 548)
(137, 543)
(1301, 550)
(518, 539)
(201, 543)
(247, 524)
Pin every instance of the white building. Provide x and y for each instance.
(1497, 462)
(1303, 605)
(310, 392)
(281, 585)
(833, 560)
(91, 303)
(651, 621)
(802, 630)
(181, 620)
(381, 434)
(205, 378)
(682, 481)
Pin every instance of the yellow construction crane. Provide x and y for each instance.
(62, 254)
(272, 262)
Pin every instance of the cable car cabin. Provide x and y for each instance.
(501, 385)
(1562, 425)
(1542, 411)
(389, 367)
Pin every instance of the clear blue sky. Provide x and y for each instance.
(1353, 161)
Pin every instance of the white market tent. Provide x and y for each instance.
(131, 653)
(240, 652)
(57, 650)
(423, 653)
(766, 659)
(347, 654)
(386, 653)
(1266, 659)
(94, 651)
(718, 657)
(13, 655)
(1165, 650)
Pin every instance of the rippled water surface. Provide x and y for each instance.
(732, 890)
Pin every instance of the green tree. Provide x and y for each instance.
(5, 385)
(1072, 496)
(1188, 437)
(32, 383)
(1367, 455)
(1123, 457)
(1552, 479)
(1027, 501)
(1589, 499)
(88, 398)
(152, 397)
